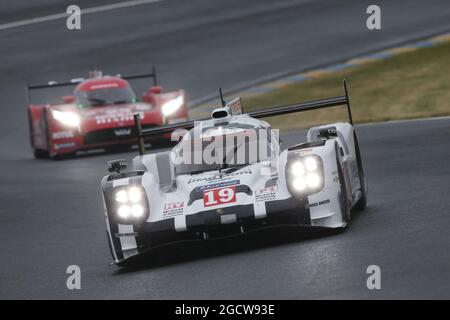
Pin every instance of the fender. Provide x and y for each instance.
(343, 133)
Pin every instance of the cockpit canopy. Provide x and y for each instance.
(231, 145)
(104, 91)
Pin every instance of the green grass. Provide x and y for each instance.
(409, 85)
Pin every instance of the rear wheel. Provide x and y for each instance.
(362, 202)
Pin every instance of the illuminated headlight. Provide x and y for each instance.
(304, 175)
(313, 180)
(137, 211)
(67, 118)
(297, 169)
(124, 211)
(299, 184)
(131, 205)
(311, 164)
(172, 106)
(122, 196)
(135, 194)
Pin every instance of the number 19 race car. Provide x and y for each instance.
(228, 175)
(98, 113)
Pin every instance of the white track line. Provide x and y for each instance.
(57, 16)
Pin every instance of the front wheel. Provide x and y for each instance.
(343, 196)
(40, 154)
(37, 153)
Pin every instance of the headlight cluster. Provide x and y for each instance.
(304, 174)
(172, 106)
(130, 203)
(67, 118)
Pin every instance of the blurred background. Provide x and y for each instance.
(51, 213)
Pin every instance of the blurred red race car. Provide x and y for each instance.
(98, 113)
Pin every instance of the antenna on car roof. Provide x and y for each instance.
(155, 81)
(221, 98)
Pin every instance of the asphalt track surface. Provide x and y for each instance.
(51, 214)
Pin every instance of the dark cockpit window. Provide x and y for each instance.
(224, 151)
(106, 96)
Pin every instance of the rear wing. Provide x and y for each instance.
(55, 84)
(305, 106)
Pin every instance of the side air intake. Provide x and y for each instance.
(220, 113)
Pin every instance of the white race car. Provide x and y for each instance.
(217, 182)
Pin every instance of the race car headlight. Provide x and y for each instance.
(67, 118)
(172, 106)
(304, 174)
(130, 204)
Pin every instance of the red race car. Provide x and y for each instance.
(98, 114)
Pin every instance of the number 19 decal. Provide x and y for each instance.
(220, 196)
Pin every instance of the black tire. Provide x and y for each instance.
(30, 129)
(345, 207)
(37, 153)
(40, 154)
(110, 246)
(362, 202)
(47, 133)
(64, 156)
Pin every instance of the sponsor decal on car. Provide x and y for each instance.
(104, 86)
(122, 132)
(219, 177)
(219, 196)
(266, 194)
(218, 185)
(127, 234)
(142, 107)
(316, 204)
(173, 208)
(64, 145)
(122, 115)
(62, 135)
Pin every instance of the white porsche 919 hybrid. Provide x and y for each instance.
(229, 175)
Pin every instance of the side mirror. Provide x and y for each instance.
(68, 99)
(117, 165)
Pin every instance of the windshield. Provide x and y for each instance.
(106, 96)
(225, 151)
